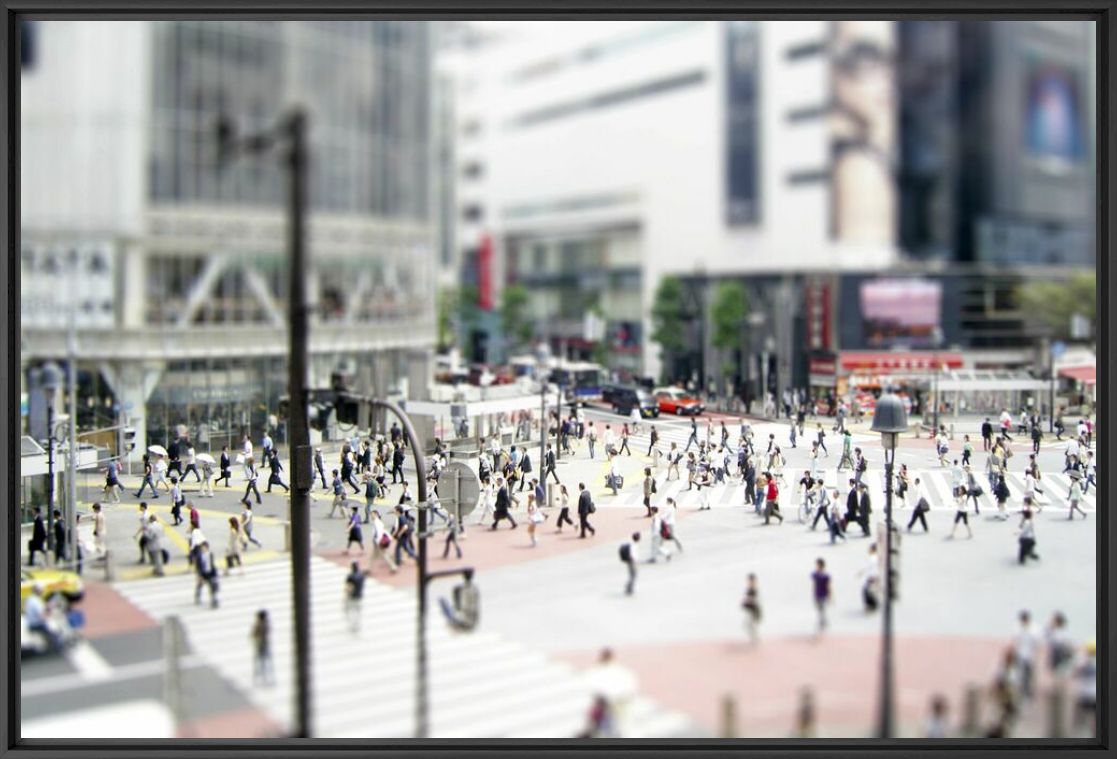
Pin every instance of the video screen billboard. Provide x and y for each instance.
(900, 312)
(1054, 118)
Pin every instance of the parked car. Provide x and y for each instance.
(675, 400)
(59, 581)
(623, 399)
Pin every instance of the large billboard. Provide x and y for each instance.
(900, 312)
(1054, 117)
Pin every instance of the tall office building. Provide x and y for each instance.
(172, 264)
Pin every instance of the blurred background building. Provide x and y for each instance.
(173, 268)
(822, 168)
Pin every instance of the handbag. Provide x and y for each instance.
(384, 541)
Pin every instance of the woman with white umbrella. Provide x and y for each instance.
(159, 467)
(208, 464)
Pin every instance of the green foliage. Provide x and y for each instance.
(728, 312)
(668, 315)
(1050, 304)
(449, 309)
(513, 314)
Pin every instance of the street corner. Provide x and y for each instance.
(766, 680)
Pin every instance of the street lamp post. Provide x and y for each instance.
(51, 381)
(889, 419)
(937, 338)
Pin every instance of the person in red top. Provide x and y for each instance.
(772, 508)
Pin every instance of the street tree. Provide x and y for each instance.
(728, 312)
(1051, 304)
(449, 308)
(513, 315)
(668, 321)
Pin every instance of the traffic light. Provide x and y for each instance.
(129, 439)
(464, 612)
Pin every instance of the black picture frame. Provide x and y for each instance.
(1101, 11)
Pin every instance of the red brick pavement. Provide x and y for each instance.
(485, 549)
(109, 613)
(843, 671)
(241, 723)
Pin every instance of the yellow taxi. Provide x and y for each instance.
(54, 581)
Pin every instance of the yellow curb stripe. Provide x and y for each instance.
(141, 572)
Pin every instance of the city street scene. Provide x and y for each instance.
(553, 379)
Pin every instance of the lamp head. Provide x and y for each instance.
(51, 376)
(889, 419)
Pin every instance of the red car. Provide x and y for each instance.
(674, 400)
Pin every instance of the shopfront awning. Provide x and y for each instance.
(1087, 375)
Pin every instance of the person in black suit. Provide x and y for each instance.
(987, 435)
(851, 505)
(865, 510)
(174, 463)
(585, 508)
(503, 504)
(276, 470)
(397, 463)
(549, 465)
(226, 466)
(321, 469)
(38, 542)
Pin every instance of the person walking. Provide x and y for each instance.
(250, 474)
(658, 536)
(262, 671)
(614, 475)
(1074, 498)
(502, 509)
(160, 469)
(404, 530)
(835, 521)
(275, 470)
(585, 508)
(156, 552)
(207, 575)
(340, 496)
(38, 541)
(1025, 645)
(674, 456)
(354, 534)
(319, 467)
(453, 529)
(870, 595)
(225, 466)
(485, 500)
(397, 464)
(653, 440)
(693, 439)
(113, 488)
(772, 500)
(564, 509)
(864, 510)
(140, 535)
(191, 464)
(549, 465)
(961, 505)
(751, 605)
(178, 500)
(820, 582)
(535, 517)
(148, 478)
(967, 450)
(354, 591)
(649, 490)
(206, 491)
(591, 438)
(246, 526)
(624, 441)
(972, 489)
(381, 542)
(987, 435)
(1086, 690)
(847, 452)
(922, 507)
(628, 557)
(233, 547)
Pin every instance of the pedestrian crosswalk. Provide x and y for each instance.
(936, 482)
(481, 685)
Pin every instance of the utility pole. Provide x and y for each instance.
(301, 482)
(291, 132)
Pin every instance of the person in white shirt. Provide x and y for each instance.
(160, 469)
(154, 535)
(669, 519)
(1072, 452)
(614, 476)
(957, 478)
(609, 439)
(961, 504)
(870, 591)
(942, 447)
(922, 505)
(658, 547)
(485, 502)
(937, 725)
(1075, 498)
(100, 529)
(381, 541)
(35, 612)
(1026, 643)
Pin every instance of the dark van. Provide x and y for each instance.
(623, 399)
